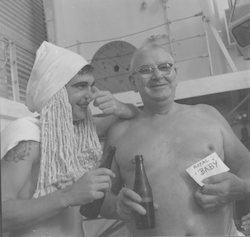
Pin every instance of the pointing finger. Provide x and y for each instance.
(93, 96)
(95, 89)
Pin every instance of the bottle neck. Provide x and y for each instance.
(141, 184)
(139, 167)
(107, 161)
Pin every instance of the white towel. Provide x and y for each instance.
(22, 129)
(54, 67)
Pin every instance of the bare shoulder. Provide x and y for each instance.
(118, 129)
(211, 114)
(24, 151)
(120, 126)
(206, 113)
(206, 110)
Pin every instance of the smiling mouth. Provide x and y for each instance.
(158, 85)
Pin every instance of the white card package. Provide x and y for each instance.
(209, 166)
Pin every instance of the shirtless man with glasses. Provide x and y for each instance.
(172, 137)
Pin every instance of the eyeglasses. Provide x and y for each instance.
(165, 68)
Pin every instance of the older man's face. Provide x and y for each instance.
(159, 84)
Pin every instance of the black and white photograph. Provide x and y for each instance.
(124, 118)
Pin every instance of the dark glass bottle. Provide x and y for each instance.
(143, 188)
(92, 210)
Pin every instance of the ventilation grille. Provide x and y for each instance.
(23, 20)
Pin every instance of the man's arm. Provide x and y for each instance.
(112, 109)
(20, 210)
(123, 111)
(228, 186)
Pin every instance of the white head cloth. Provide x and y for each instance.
(54, 67)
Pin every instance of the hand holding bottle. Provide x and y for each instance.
(89, 187)
(128, 202)
(92, 210)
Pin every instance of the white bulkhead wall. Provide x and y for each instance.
(86, 26)
(96, 23)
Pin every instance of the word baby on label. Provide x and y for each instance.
(209, 166)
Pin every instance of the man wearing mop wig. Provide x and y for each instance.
(48, 162)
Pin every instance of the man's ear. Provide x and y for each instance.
(132, 83)
(175, 70)
(176, 77)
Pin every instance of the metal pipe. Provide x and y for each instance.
(204, 19)
(242, 102)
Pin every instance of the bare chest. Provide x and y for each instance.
(168, 149)
(176, 142)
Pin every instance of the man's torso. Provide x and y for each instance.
(169, 146)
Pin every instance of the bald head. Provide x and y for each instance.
(144, 52)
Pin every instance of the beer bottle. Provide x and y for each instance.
(92, 210)
(143, 188)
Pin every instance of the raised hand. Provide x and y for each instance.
(105, 101)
